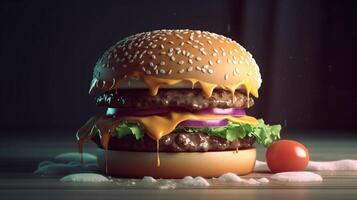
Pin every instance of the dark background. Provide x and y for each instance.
(306, 51)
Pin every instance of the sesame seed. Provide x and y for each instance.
(151, 64)
(188, 54)
(189, 42)
(218, 61)
(195, 46)
(156, 72)
(181, 71)
(228, 61)
(162, 71)
(202, 49)
(223, 53)
(190, 61)
(170, 54)
(210, 71)
(225, 76)
(182, 43)
(191, 56)
(198, 58)
(153, 46)
(162, 63)
(177, 48)
(162, 52)
(181, 62)
(171, 42)
(171, 50)
(178, 52)
(198, 68)
(241, 62)
(172, 58)
(162, 46)
(155, 67)
(209, 42)
(205, 66)
(222, 48)
(126, 53)
(149, 52)
(143, 68)
(153, 57)
(179, 36)
(148, 72)
(210, 62)
(190, 69)
(203, 70)
(142, 62)
(204, 53)
(234, 62)
(170, 71)
(215, 50)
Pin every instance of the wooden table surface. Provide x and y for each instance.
(19, 158)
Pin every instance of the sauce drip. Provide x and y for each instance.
(164, 124)
(154, 84)
(158, 153)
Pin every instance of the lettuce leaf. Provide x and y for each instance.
(265, 134)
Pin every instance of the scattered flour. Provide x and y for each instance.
(75, 156)
(233, 178)
(167, 184)
(300, 176)
(338, 165)
(230, 178)
(195, 182)
(85, 178)
(149, 179)
(263, 180)
(67, 163)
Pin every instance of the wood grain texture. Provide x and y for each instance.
(17, 162)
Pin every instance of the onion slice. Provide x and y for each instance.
(204, 123)
(222, 111)
(140, 112)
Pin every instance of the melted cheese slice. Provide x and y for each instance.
(157, 126)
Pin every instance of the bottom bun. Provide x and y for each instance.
(128, 164)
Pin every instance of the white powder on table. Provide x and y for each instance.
(85, 178)
(195, 182)
(338, 165)
(299, 176)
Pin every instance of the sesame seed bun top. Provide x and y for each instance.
(184, 57)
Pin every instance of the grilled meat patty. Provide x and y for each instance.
(191, 99)
(178, 142)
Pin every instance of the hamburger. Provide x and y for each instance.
(175, 105)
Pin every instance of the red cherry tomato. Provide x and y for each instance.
(287, 155)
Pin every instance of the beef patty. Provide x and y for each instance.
(178, 142)
(191, 99)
